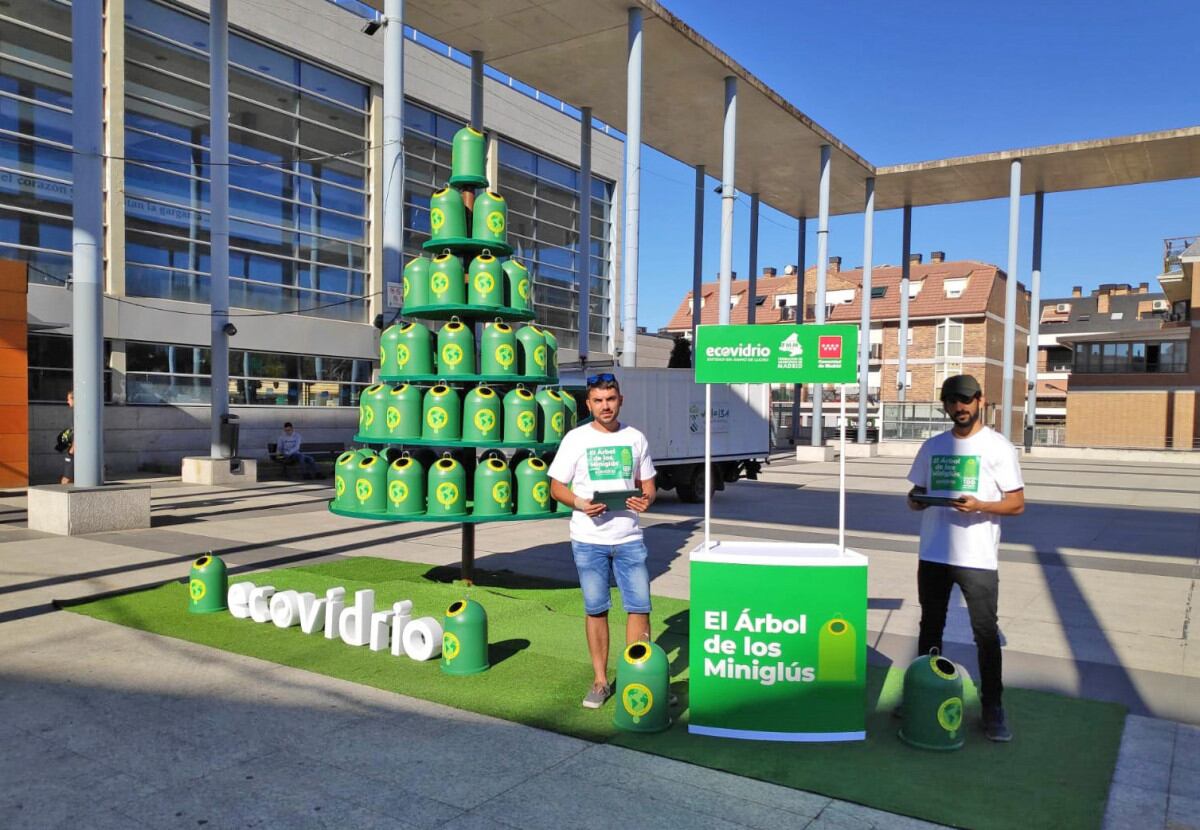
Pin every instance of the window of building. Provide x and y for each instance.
(1118, 315)
(878, 292)
(543, 220)
(299, 219)
(35, 138)
(914, 288)
(1148, 356)
(760, 299)
(954, 288)
(948, 353)
(50, 361)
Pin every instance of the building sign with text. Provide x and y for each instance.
(777, 354)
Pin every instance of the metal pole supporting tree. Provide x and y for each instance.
(818, 421)
(864, 336)
(1010, 297)
(218, 81)
(1035, 313)
(633, 179)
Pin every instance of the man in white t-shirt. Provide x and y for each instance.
(976, 470)
(606, 456)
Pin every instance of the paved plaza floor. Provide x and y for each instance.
(109, 726)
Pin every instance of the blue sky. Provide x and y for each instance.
(904, 81)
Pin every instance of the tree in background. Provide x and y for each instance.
(681, 354)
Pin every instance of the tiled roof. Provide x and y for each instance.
(1084, 315)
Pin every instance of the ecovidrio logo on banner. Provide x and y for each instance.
(776, 354)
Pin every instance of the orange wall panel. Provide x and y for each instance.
(14, 375)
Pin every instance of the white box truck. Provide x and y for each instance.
(668, 406)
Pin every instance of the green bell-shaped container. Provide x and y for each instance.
(343, 477)
(533, 487)
(485, 281)
(410, 351)
(498, 350)
(442, 415)
(447, 215)
(554, 415)
(405, 487)
(933, 704)
(482, 421)
(465, 638)
(456, 349)
(370, 485)
(402, 418)
(551, 354)
(531, 352)
(520, 416)
(493, 488)
(416, 282)
(643, 689)
(572, 408)
(468, 159)
(446, 286)
(446, 494)
(519, 284)
(207, 585)
(490, 218)
(372, 406)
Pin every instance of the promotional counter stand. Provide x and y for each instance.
(778, 629)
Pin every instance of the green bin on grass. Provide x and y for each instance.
(465, 638)
(933, 704)
(208, 585)
(643, 689)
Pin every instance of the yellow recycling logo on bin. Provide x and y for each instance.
(450, 646)
(446, 493)
(485, 420)
(495, 222)
(505, 355)
(637, 699)
(526, 422)
(452, 354)
(501, 492)
(397, 492)
(484, 282)
(437, 218)
(837, 652)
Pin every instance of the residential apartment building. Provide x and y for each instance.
(306, 214)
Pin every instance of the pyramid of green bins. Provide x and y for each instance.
(462, 423)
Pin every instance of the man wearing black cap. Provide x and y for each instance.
(973, 471)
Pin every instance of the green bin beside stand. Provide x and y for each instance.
(490, 218)
(447, 215)
(416, 282)
(533, 487)
(933, 704)
(643, 689)
(447, 491)
(343, 479)
(446, 281)
(520, 289)
(465, 638)
(493, 488)
(520, 416)
(208, 585)
(372, 411)
(412, 351)
(554, 415)
(468, 158)
(370, 485)
(406, 487)
(531, 351)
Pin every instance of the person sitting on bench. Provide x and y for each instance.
(287, 451)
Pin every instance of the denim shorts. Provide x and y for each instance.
(627, 562)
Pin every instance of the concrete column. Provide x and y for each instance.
(1035, 299)
(905, 272)
(728, 194)
(1010, 297)
(633, 184)
(376, 285)
(818, 422)
(218, 78)
(87, 267)
(801, 257)
(477, 90)
(393, 140)
(584, 264)
(698, 253)
(864, 344)
(752, 288)
(114, 148)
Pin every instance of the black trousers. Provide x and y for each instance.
(981, 589)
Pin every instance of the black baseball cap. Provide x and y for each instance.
(964, 385)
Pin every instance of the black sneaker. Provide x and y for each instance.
(995, 725)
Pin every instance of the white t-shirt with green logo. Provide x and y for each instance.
(591, 460)
(984, 466)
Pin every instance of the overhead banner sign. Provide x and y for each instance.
(777, 354)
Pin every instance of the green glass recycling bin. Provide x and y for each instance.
(447, 488)
(468, 158)
(520, 290)
(402, 418)
(207, 586)
(442, 418)
(485, 281)
(446, 286)
(498, 349)
(410, 350)
(343, 478)
(372, 404)
(447, 215)
(405, 487)
(932, 710)
(370, 485)
(643, 689)
(490, 218)
(416, 282)
(465, 638)
(456, 349)
(554, 415)
(533, 487)
(481, 416)
(551, 354)
(520, 416)
(531, 352)
(572, 408)
(493, 488)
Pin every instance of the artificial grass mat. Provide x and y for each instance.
(1055, 773)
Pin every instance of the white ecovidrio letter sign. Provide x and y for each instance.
(359, 624)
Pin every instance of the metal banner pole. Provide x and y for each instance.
(842, 473)
(707, 463)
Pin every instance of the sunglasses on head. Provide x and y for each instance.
(603, 377)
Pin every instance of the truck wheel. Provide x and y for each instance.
(690, 485)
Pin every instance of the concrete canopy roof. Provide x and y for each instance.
(575, 50)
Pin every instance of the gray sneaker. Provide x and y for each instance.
(597, 695)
